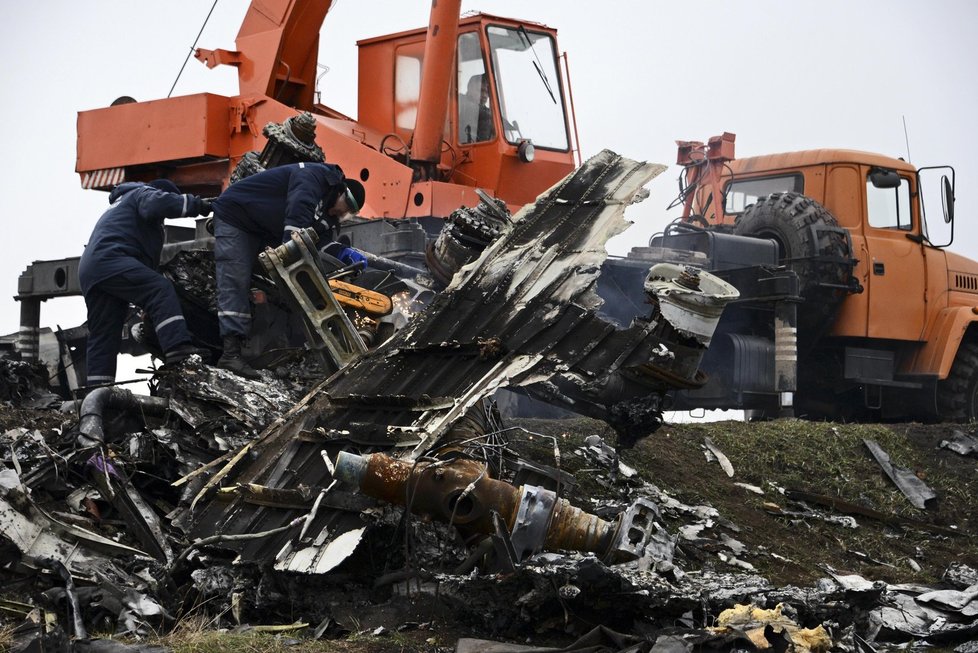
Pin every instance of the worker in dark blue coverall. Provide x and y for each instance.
(263, 210)
(119, 267)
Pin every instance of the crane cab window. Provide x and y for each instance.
(474, 106)
(530, 96)
(741, 194)
(889, 207)
(407, 84)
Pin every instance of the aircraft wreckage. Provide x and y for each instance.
(221, 483)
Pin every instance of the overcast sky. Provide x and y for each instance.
(781, 75)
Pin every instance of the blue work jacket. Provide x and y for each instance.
(130, 234)
(274, 202)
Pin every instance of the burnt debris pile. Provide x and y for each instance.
(371, 487)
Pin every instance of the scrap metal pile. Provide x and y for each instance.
(395, 478)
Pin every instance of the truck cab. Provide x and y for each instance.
(882, 309)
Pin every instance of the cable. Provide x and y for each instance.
(192, 49)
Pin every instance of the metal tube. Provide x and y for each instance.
(786, 354)
(390, 265)
(461, 492)
(94, 405)
(30, 325)
(436, 78)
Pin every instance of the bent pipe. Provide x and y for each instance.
(94, 405)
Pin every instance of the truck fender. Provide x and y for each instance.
(942, 341)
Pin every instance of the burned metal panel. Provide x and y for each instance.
(501, 322)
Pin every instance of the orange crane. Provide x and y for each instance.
(408, 145)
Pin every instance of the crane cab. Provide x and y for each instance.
(507, 124)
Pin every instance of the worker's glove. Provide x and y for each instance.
(350, 256)
(206, 204)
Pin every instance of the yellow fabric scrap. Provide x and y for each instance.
(751, 620)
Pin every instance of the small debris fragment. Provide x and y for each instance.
(719, 456)
(750, 488)
(962, 443)
(916, 491)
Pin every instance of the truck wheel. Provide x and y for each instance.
(957, 395)
(820, 258)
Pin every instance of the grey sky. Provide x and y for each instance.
(781, 75)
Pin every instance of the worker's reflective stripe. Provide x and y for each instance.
(232, 314)
(289, 227)
(168, 321)
(100, 379)
(186, 199)
(302, 164)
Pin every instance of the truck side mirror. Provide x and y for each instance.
(947, 198)
(881, 178)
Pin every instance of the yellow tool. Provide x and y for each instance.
(361, 299)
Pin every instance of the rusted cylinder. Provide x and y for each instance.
(436, 489)
(572, 528)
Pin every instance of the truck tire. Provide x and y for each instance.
(820, 258)
(957, 395)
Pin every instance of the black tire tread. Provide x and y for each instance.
(788, 218)
(956, 394)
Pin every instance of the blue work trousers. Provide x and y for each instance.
(108, 304)
(234, 254)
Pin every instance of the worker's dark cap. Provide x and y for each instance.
(355, 192)
(164, 184)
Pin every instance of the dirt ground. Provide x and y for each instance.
(826, 459)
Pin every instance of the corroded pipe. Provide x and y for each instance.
(462, 493)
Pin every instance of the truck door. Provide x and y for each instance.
(897, 278)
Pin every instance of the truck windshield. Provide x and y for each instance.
(741, 194)
(530, 96)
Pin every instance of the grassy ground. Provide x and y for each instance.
(820, 458)
(196, 636)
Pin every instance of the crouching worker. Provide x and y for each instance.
(261, 211)
(119, 267)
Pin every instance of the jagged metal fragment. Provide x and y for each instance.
(522, 313)
(962, 443)
(38, 535)
(964, 601)
(719, 456)
(689, 299)
(918, 492)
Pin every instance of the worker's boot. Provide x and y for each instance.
(182, 352)
(232, 360)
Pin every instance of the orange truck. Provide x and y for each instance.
(882, 321)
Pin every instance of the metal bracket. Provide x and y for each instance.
(294, 266)
(532, 521)
(637, 530)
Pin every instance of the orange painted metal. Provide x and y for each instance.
(198, 139)
(278, 44)
(493, 165)
(436, 74)
(144, 133)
